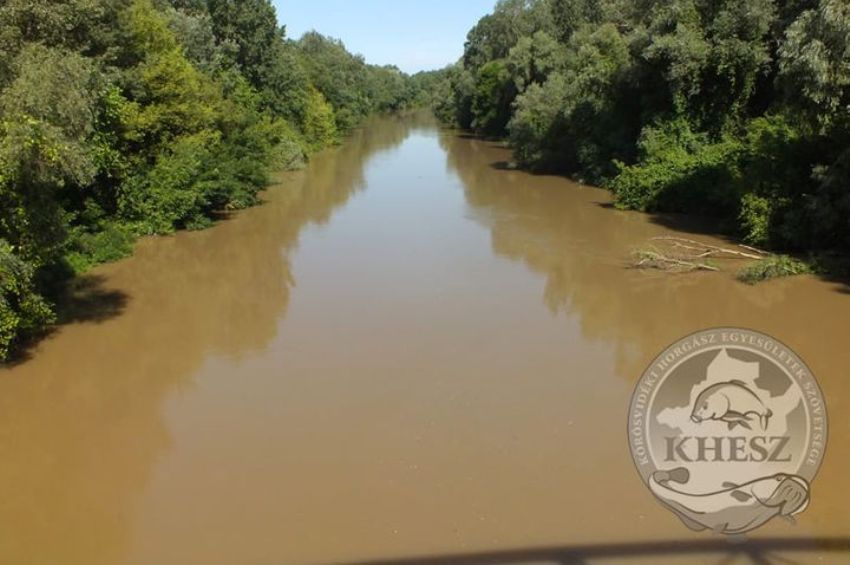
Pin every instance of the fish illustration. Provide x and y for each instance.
(735, 509)
(731, 402)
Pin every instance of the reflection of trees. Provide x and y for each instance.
(582, 247)
(80, 423)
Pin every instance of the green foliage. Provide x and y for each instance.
(814, 61)
(250, 27)
(319, 125)
(492, 98)
(352, 88)
(102, 242)
(127, 117)
(86, 27)
(23, 312)
(538, 128)
(172, 194)
(737, 110)
(47, 115)
(495, 34)
(773, 267)
(755, 218)
(453, 98)
(533, 59)
(681, 171)
(580, 119)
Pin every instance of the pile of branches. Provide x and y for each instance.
(682, 255)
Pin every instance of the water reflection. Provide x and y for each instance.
(566, 233)
(81, 423)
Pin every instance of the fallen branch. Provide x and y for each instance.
(648, 259)
(755, 250)
(706, 250)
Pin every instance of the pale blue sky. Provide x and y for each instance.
(415, 35)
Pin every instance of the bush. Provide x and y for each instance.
(755, 218)
(105, 243)
(773, 267)
(681, 171)
(536, 129)
(170, 195)
(319, 123)
(491, 103)
(23, 312)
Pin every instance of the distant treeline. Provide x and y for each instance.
(120, 118)
(735, 109)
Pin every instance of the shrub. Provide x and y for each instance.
(681, 171)
(491, 103)
(89, 247)
(755, 218)
(537, 126)
(170, 194)
(772, 267)
(319, 124)
(23, 311)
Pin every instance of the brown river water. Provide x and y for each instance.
(407, 351)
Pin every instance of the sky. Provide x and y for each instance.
(414, 35)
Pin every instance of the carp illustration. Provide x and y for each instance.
(731, 402)
(736, 508)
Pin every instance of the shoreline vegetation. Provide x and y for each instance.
(736, 111)
(125, 118)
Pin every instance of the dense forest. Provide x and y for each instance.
(738, 111)
(121, 118)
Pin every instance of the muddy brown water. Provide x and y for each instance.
(407, 351)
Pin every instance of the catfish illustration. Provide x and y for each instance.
(731, 402)
(735, 509)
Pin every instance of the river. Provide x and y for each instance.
(407, 350)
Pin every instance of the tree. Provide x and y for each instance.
(815, 61)
(492, 99)
(251, 26)
(48, 112)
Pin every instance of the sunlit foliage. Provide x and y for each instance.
(127, 117)
(737, 110)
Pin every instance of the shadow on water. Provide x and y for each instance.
(835, 269)
(79, 300)
(88, 299)
(758, 551)
(685, 223)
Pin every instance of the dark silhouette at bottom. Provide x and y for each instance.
(758, 550)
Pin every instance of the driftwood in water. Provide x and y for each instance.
(655, 259)
(681, 255)
(699, 249)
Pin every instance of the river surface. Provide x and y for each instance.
(408, 350)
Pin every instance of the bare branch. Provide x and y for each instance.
(694, 245)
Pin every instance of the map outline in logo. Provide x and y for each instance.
(728, 427)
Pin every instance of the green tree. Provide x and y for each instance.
(23, 312)
(815, 61)
(319, 124)
(47, 114)
(492, 99)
